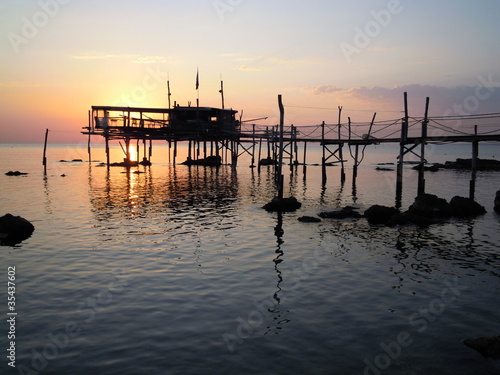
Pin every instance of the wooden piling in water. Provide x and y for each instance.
(44, 160)
(341, 145)
(323, 158)
(280, 154)
(475, 154)
(402, 143)
(421, 169)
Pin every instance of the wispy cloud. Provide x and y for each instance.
(323, 89)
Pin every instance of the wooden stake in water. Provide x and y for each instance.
(44, 160)
(475, 154)
(280, 154)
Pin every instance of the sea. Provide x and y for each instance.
(175, 269)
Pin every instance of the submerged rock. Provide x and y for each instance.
(14, 229)
(429, 168)
(268, 161)
(481, 164)
(344, 213)
(429, 205)
(497, 202)
(283, 204)
(15, 173)
(465, 207)
(405, 218)
(214, 161)
(487, 346)
(377, 214)
(309, 219)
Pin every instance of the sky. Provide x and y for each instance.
(60, 57)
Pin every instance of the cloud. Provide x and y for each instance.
(323, 89)
(457, 100)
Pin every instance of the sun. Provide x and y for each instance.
(132, 150)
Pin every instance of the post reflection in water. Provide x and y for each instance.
(277, 311)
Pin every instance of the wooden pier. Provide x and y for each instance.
(217, 134)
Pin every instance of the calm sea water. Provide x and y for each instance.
(179, 270)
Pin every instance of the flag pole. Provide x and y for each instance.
(197, 87)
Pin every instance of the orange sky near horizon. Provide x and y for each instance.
(60, 57)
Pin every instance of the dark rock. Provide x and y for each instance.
(309, 219)
(430, 168)
(125, 163)
(268, 161)
(212, 161)
(429, 205)
(15, 173)
(481, 164)
(405, 218)
(487, 346)
(283, 204)
(77, 160)
(14, 229)
(145, 162)
(465, 207)
(497, 202)
(344, 213)
(383, 169)
(377, 214)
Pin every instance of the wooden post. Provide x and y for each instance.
(169, 150)
(304, 168)
(222, 92)
(234, 155)
(355, 167)
(341, 145)
(253, 146)
(475, 154)
(260, 154)
(421, 169)
(323, 159)
(106, 140)
(399, 172)
(295, 145)
(44, 160)
(175, 151)
(280, 155)
(291, 149)
(88, 142)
